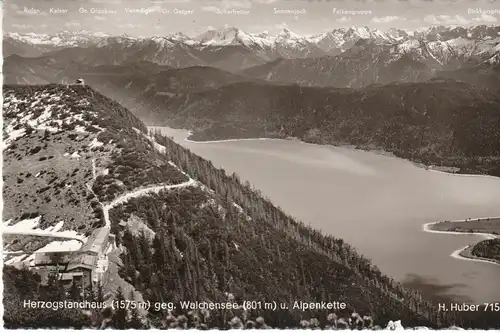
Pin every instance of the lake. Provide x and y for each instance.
(376, 203)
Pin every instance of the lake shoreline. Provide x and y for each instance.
(464, 253)
(381, 152)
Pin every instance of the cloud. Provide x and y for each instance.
(212, 9)
(485, 18)
(70, 24)
(343, 19)
(445, 19)
(386, 19)
(129, 26)
(244, 4)
(23, 26)
(281, 26)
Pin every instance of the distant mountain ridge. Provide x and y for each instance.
(463, 117)
(234, 49)
(342, 71)
(441, 121)
(368, 62)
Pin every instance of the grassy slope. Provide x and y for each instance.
(41, 174)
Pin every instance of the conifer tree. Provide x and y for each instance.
(119, 320)
(159, 250)
(100, 292)
(135, 320)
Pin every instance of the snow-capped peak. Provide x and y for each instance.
(362, 32)
(222, 36)
(60, 39)
(232, 36)
(178, 36)
(287, 34)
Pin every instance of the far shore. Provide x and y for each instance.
(378, 151)
(487, 227)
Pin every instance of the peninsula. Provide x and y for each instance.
(486, 250)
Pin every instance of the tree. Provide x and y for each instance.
(54, 290)
(74, 291)
(135, 320)
(100, 293)
(159, 250)
(119, 320)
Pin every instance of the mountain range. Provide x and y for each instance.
(431, 96)
(233, 49)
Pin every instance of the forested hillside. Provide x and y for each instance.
(489, 249)
(485, 75)
(342, 71)
(187, 231)
(439, 122)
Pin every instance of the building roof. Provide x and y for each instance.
(96, 241)
(83, 260)
(53, 258)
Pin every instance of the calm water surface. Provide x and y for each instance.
(376, 203)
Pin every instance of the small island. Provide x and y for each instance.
(486, 250)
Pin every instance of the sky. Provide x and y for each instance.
(162, 17)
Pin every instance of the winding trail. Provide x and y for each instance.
(138, 193)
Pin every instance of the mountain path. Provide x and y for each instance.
(138, 193)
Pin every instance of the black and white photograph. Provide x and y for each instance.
(251, 164)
